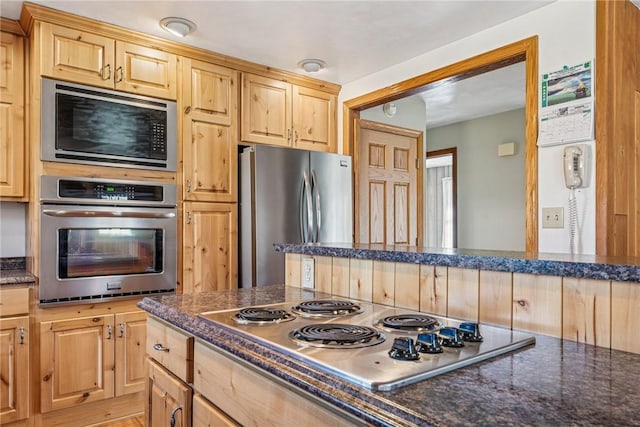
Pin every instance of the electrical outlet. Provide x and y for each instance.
(552, 217)
(308, 273)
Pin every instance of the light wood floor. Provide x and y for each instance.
(129, 422)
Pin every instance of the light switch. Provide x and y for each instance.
(552, 217)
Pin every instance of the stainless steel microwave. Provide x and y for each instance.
(88, 125)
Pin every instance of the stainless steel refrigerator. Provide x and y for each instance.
(290, 196)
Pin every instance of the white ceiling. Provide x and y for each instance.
(354, 38)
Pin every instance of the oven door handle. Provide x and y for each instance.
(106, 214)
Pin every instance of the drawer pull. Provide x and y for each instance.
(22, 335)
(172, 419)
(160, 347)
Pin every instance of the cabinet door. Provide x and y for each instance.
(77, 56)
(266, 110)
(209, 137)
(76, 361)
(145, 71)
(14, 369)
(131, 338)
(12, 164)
(206, 414)
(210, 247)
(314, 119)
(168, 399)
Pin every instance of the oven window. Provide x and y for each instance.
(90, 252)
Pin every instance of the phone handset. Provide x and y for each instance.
(574, 167)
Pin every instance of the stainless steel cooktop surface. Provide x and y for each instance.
(375, 346)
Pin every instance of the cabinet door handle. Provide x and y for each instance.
(288, 135)
(189, 218)
(188, 185)
(160, 347)
(119, 74)
(21, 335)
(108, 68)
(172, 419)
(109, 331)
(296, 136)
(121, 330)
(187, 110)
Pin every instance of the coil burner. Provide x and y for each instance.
(408, 323)
(336, 335)
(326, 308)
(262, 316)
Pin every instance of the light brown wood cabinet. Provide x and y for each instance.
(206, 413)
(279, 113)
(91, 358)
(209, 132)
(252, 397)
(93, 59)
(210, 247)
(169, 399)
(14, 369)
(12, 140)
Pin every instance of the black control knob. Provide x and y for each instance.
(404, 349)
(470, 332)
(428, 343)
(449, 337)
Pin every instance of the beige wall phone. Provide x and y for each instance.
(574, 165)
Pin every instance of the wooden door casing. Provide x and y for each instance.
(389, 185)
(76, 361)
(14, 369)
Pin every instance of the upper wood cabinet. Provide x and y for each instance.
(209, 132)
(12, 140)
(279, 113)
(96, 60)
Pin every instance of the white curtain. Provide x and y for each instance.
(436, 209)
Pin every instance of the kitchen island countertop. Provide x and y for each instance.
(555, 382)
(625, 269)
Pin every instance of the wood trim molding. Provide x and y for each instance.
(523, 50)
(11, 26)
(33, 12)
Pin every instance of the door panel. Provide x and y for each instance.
(391, 197)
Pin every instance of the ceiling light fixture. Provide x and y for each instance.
(177, 26)
(312, 65)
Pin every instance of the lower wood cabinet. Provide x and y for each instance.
(93, 358)
(206, 414)
(14, 369)
(210, 255)
(250, 396)
(169, 399)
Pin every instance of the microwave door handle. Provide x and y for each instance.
(113, 214)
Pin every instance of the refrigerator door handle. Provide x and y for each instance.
(309, 204)
(316, 196)
(303, 237)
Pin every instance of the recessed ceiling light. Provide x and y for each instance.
(177, 26)
(312, 65)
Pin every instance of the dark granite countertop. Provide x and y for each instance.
(13, 272)
(554, 383)
(626, 269)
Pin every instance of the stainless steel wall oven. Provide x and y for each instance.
(103, 239)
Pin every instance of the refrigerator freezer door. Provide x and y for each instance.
(335, 192)
(269, 211)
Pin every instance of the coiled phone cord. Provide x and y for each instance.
(573, 222)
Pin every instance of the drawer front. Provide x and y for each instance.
(14, 301)
(171, 348)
